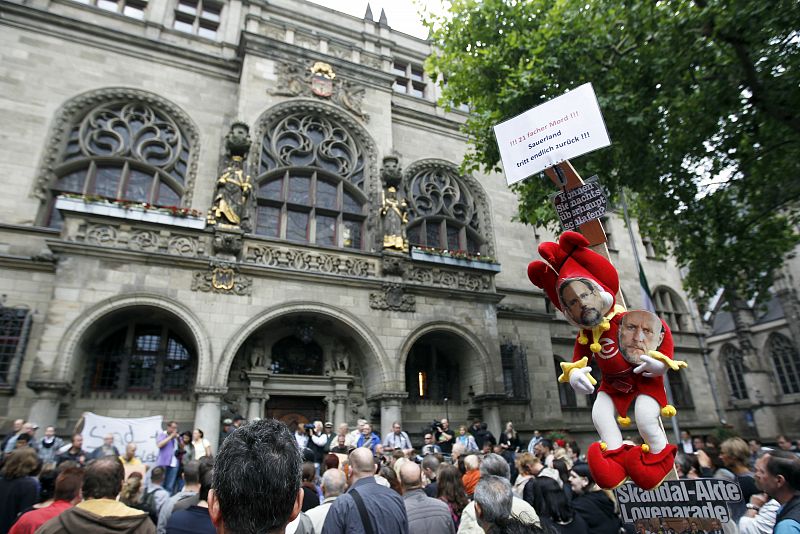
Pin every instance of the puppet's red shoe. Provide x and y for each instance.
(648, 470)
(607, 466)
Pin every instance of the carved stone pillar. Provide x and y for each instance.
(341, 386)
(208, 411)
(491, 412)
(391, 403)
(256, 393)
(44, 410)
(339, 410)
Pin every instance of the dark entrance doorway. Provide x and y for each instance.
(293, 410)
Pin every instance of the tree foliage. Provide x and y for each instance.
(700, 99)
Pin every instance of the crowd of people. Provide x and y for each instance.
(267, 477)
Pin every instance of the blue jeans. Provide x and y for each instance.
(170, 475)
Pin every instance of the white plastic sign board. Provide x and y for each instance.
(563, 128)
(142, 431)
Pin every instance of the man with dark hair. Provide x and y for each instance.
(778, 475)
(256, 483)
(156, 495)
(67, 494)
(195, 519)
(366, 503)
(167, 442)
(100, 512)
(184, 498)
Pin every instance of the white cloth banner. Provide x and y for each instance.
(562, 128)
(142, 431)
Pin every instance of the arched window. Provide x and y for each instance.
(671, 309)
(312, 179)
(445, 210)
(786, 362)
(566, 394)
(432, 373)
(127, 147)
(293, 356)
(141, 357)
(681, 395)
(733, 362)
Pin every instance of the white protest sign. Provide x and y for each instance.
(563, 128)
(142, 431)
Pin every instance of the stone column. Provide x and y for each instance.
(491, 411)
(44, 410)
(391, 409)
(208, 411)
(339, 410)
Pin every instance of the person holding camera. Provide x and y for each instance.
(318, 441)
(397, 439)
(444, 436)
(301, 435)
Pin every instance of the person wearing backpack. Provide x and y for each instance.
(155, 496)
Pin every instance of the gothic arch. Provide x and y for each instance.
(74, 108)
(367, 341)
(69, 345)
(361, 139)
(469, 337)
(483, 211)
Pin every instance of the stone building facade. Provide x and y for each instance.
(194, 224)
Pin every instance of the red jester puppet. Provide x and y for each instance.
(633, 351)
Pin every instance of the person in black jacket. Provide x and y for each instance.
(591, 503)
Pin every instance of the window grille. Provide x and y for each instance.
(733, 362)
(432, 373)
(514, 361)
(785, 362)
(566, 395)
(671, 309)
(15, 325)
(409, 79)
(130, 8)
(200, 17)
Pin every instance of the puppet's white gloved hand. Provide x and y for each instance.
(581, 381)
(650, 367)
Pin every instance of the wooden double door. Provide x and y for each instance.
(292, 410)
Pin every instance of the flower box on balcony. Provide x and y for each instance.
(132, 212)
(445, 259)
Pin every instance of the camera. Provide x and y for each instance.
(436, 425)
(309, 426)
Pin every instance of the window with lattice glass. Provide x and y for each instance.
(294, 356)
(310, 207)
(143, 358)
(432, 373)
(733, 362)
(681, 396)
(786, 363)
(409, 78)
(670, 307)
(14, 328)
(566, 395)
(130, 8)
(443, 213)
(514, 361)
(200, 17)
(129, 151)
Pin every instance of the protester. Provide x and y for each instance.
(430, 446)
(18, 489)
(188, 496)
(67, 494)
(106, 449)
(227, 424)
(333, 485)
(390, 477)
(202, 447)
(300, 436)
(443, 436)
(430, 467)
(49, 444)
(555, 511)
(156, 495)
(368, 438)
(366, 502)
(735, 455)
(354, 435)
(100, 512)
(509, 439)
(16, 428)
(310, 490)
(528, 466)
(450, 490)
(467, 440)
(493, 505)
(27, 429)
(760, 515)
(256, 482)
(132, 490)
(167, 443)
(341, 445)
(425, 514)
(194, 519)
(130, 458)
(495, 465)
(592, 503)
(318, 442)
(785, 444)
(778, 475)
(397, 439)
(544, 451)
(472, 463)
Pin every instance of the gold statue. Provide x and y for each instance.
(394, 212)
(231, 206)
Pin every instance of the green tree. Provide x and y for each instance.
(700, 99)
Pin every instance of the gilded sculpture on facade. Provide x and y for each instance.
(232, 197)
(394, 212)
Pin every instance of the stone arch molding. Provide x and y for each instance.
(451, 328)
(74, 108)
(348, 122)
(482, 200)
(366, 337)
(68, 346)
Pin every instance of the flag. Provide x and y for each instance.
(647, 298)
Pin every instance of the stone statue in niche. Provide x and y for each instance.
(394, 215)
(259, 357)
(391, 173)
(341, 357)
(233, 194)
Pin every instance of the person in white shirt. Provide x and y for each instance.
(333, 485)
(202, 447)
(352, 437)
(301, 437)
(397, 439)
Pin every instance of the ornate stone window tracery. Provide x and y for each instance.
(446, 210)
(313, 177)
(130, 148)
(786, 362)
(733, 361)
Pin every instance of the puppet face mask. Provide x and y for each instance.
(584, 302)
(640, 332)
